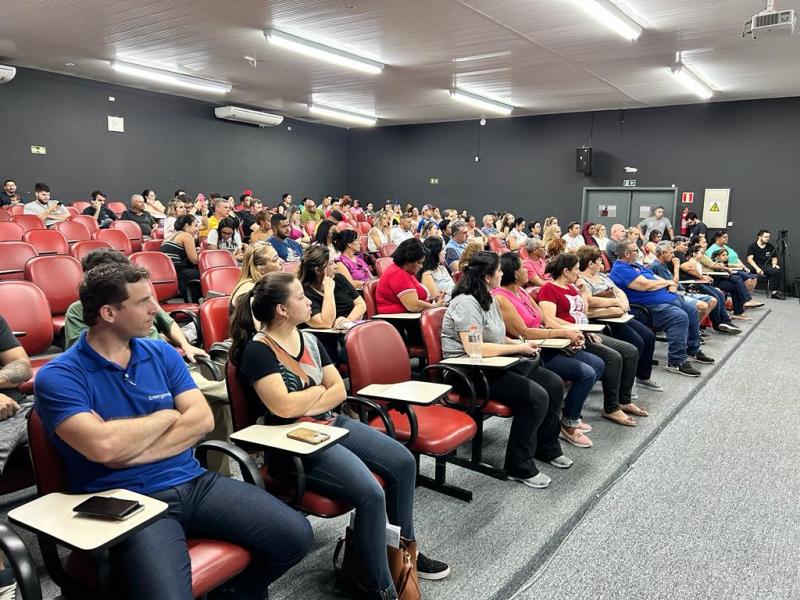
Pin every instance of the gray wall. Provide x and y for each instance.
(169, 142)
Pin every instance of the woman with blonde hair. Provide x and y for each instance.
(258, 260)
(600, 236)
(551, 232)
(381, 231)
(554, 247)
(177, 208)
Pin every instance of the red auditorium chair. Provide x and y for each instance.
(387, 249)
(342, 225)
(5, 216)
(72, 211)
(81, 205)
(214, 317)
(382, 263)
(434, 430)
(58, 277)
(157, 233)
(28, 222)
(210, 259)
(219, 281)
(34, 324)
(213, 562)
(16, 209)
(116, 238)
(87, 221)
(311, 227)
(368, 291)
(496, 245)
(81, 249)
(293, 266)
(465, 395)
(73, 231)
(21, 562)
(164, 280)
(152, 245)
(117, 207)
(364, 227)
(523, 253)
(11, 232)
(47, 241)
(132, 230)
(243, 414)
(363, 241)
(13, 256)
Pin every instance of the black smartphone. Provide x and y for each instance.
(103, 507)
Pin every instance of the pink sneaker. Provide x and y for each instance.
(576, 438)
(584, 427)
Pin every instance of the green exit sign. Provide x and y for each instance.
(38, 150)
(434, 181)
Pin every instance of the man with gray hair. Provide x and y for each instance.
(535, 264)
(668, 311)
(667, 266)
(139, 215)
(458, 241)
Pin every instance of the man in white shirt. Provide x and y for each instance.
(573, 237)
(49, 211)
(657, 222)
(402, 231)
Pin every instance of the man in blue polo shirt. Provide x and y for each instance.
(458, 241)
(123, 412)
(668, 310)
(288, 249)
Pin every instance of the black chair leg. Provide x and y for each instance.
(438, 482)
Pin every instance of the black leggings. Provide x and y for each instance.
(621, 360)
(535, 395)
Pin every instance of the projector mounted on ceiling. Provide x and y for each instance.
(245, 115)
(7, 73)
(772, 22)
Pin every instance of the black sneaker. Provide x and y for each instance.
(428, 568)
(728, 328)
(684, 369)
(701, 358)
(777, 296)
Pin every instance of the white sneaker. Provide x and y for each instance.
(562, 462)
(8, 592)
(540, 480)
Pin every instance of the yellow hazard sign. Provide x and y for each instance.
(714, 208)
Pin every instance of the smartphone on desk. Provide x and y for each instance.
(309, 436)
(103, 507)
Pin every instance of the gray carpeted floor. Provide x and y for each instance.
(496, 543)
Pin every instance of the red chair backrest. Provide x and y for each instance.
(157, 233)
(364, 241)
(457, 275)
(243, 413)
(11, 232)
(35, 320)
(132, 230)
(5, 216)
(495, 245)
(162, 273)
(48, 466)
(342, 225)
(80, 249)
(210, 259)
(13, 256)
(293, 266)
(16, 209)
(311, 227)
(214, 319)
(117, 207)
(368, 291)
(220, 280)
(523, 253)
(72, 210)
(431, 326)
(87, 221)
(152, 245)
(118, 239)
(387, 249)
(367, 366)
(381, 264)
(58, 277)
(47, 241)
(28, 222)
(73, 231)
(364, 227)
(606, 262)
(81, 205)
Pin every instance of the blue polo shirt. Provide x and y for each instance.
(287, 249)
(623, 273)
(453, 251)
(80, 380)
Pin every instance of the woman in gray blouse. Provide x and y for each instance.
(534, 393)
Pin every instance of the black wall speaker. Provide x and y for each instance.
(584, 162)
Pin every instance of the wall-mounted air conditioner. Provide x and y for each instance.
(7, 73)
(245, 115)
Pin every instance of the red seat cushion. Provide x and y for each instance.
(180, 306)
(493, 407)
(440, 429)
(417, 352)
(36, 364)
(58, 323)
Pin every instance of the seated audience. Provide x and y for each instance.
(427, 217)
(473, 231)
(311, 212)
(732, 261)
(506, 224)
(551, 232)
(98, 209)
(49, 211)
(600, 236)
(573, 237)
(296, 231)
(381, 231)
(15, 369)
(429, 229)
(667, 310)
(404, 230)
(516, 235)
(334, 301)
(222, 210)
(263, 230)
(292, 377)
(288, 249)
(177, 208)
(588, 232)
(667, 266)
(137, 432)
(763, 261)
(226, 237)
(457, 243)
(139, 215)
(535, 229)
(536, 264)
(152, 205)
(474, 245)
(555, 247)
(251, 208)
(8, 194)
(696, 226)
(257, 261)
(608, 300)
(634, 235)
(563, 305)
(489, 230)
(649, 247)
(198, 210)
(433, 274)
(398, 289)
(534, 393)
(617, 233)
(523, 320)
(349, 263)
(182, 252)
(324, 237)
(658, 222)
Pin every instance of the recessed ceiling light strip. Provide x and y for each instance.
(171, 78)
(481, 102)
(607, 13)
(323, 52)
(691, 81)
(342, 115)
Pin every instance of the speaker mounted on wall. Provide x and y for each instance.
(584, 160)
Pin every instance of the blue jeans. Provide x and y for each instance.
(720, 314)
(582, 370)
(154, 562)
(344, 472)
(639, 335)
(681, 324)
(734, 285)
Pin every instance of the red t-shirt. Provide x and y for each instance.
(568, 301)
(393, 282)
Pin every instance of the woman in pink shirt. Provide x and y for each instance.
(349, 263)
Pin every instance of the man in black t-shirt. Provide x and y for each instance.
(763, 261)
(98, 209)
(696, 226)
(138, 214)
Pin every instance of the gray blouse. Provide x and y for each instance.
(464, 311)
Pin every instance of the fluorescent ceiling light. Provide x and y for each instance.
(342, 115)
(609, 15)
(168, 77)
(481, 102)
(322, 52)
(692, 81)
(482, 56)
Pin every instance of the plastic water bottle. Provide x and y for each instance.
(474, 341)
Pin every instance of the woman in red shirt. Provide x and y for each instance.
(563, 301)
(398, 289)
